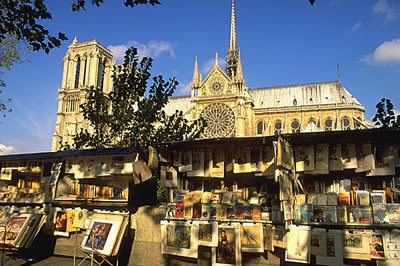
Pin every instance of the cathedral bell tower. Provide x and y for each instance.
(222, 98)
(86, 64)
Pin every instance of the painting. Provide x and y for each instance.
(60, 221)
(228, 251)
(79, 219)
(251, 237)
(334, 249)
(198, 163)
(102, 233)
(208, 233)
(168, 176)
(179, 238)
(298, 244)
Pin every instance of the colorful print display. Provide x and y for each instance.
(228, 250)
(208, 234)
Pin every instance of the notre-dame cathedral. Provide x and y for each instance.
(222, 98)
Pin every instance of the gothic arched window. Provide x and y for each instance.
(101, 69)
(77, 70)
(328, 124)
(278, 127)
(346, 123)
(311, 126)
(295, 125)
(260, 128)
(84, 72)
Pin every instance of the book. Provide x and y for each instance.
(353, 214)
(329, 214)
(248, 212)
(341, 212)
(230, 211)
(188, 211)
(312, 199)
(301, 199)
(170, 210)
(378, 197)
(256, 213)
(188, 198)
(205, 211)
(322, 199)
(206, 197)
(332, 198)
(345, 185)
(380, 214)
(221, 211)
(213, 211)
(179, 210)
(197, 196)
(227, 197)
(362, 197)
(239, 208)
(393, 211)
(180, 195)
(318, 213)
(306, 213)
(365, 214)
(197, 210)
(344, 198)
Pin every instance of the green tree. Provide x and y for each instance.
(133, 113)
(12, 52)
(385, 116)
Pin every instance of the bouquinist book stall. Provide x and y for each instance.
(322, 198)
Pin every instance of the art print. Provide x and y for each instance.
(285, 185)
(15, 227)
(179, 238)
(280, 237)
(384, 161)
(335, 157)
(355, 243)
(102, 233)
(242, 162)
(268, 161)
(318, 242)
(299, 157)
(168, 176)
(208, 233)
(298, 244)
(377, 248)
(349, 158)
(228, 251)
(6, 173)
(197, 164)
(268, 238)
(391, 241)
(334, 249)
(218, 163)
(251, 237)
(60, 221)
(365, 158)
(285, 156)
(309, 161)
(321, 159)
(208, 164)
(141, 171)
(187, 162)
(255, 159)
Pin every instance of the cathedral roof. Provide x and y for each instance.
(318, 93)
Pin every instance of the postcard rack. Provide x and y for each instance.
(7, 253)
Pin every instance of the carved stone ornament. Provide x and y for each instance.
(216, 86)
(220, 121)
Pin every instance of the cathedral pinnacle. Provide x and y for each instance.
(216, 59)
(232, 41)
(233, 55)
(195, 74)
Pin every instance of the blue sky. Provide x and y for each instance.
(281, 42)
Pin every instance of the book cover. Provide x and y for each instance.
(239, 210)
(332, 199)
(380, 214)
(180, 195)
(301, 199)
(344, 198)
(206, 197)
(197, 196)
(322, 199)
(213, 211)
(318, 213)
(179, 210)
(197, 210)
(306, 213)
(227, 197)
(393, 211)
(365, 214)
(362, 197)
(341, 212)
(353, 214)
(312, 199)
(170, 210)
(256, 213)
(205, 211)
(329, 214)
(378, 197)
(248, 212)
(230, 211)
(188, 198)
(221, 211)
(345, 185)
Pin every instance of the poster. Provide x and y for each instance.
(79, 218)
(168, 176)
(365, 158)
(334, 249)
(251, 237)
(179, 238)
(242, 163)
(208, 233)
(349, 158)
(335, 157)
(228, 251)
(377, 247)
(186, 162)
(298, 244)
(197, 163)
(384, 161)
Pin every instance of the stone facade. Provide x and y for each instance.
(222, 98)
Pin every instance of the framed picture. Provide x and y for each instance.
(102, 233)
(334, 249)
(60, 222)
(197, 163)
(228, 251)
(79, 218)
(168, 176)
(208, 233)
(378, 248)
(285, 156)
(15, 228)
(251, 237)
(298, 244)
(179, 238)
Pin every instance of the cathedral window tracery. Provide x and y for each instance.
(278, 127)
(260, 128)
(77, 70)
(346, 123)
(295, 125)
(220, 121)
(328, 124)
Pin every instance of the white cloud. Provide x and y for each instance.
(184, 87)
(386, 53)
(356, 26)
(390, 13)
(151, 49)
(6, 149)
(396, 112)
(209, 64)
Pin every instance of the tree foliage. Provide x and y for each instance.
(385, 116)
(133, 113)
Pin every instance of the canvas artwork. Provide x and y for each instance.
(60, 221)
(335, 157)
(365, 158)
(334, 249)
(268, 238)
(186, 162)
(285, 156)
(208, 233)
(218, 163)
(197, 163)
(251, 237)
(102, 233)
(179, 238)
(384, 161)
(228, 251)
(242, 163)
(349, 158)
(298, 244)
(168, 176)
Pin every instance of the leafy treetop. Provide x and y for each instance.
(385, 116)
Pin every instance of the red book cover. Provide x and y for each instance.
(179, 210)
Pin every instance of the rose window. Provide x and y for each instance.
(220, 121)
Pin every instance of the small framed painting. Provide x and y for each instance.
(168, 176)
(179, 238)
(228, 251)
(208, 233)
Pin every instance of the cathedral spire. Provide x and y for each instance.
(239, 71)
(233, 55)
(195, 74)
(232, 41)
